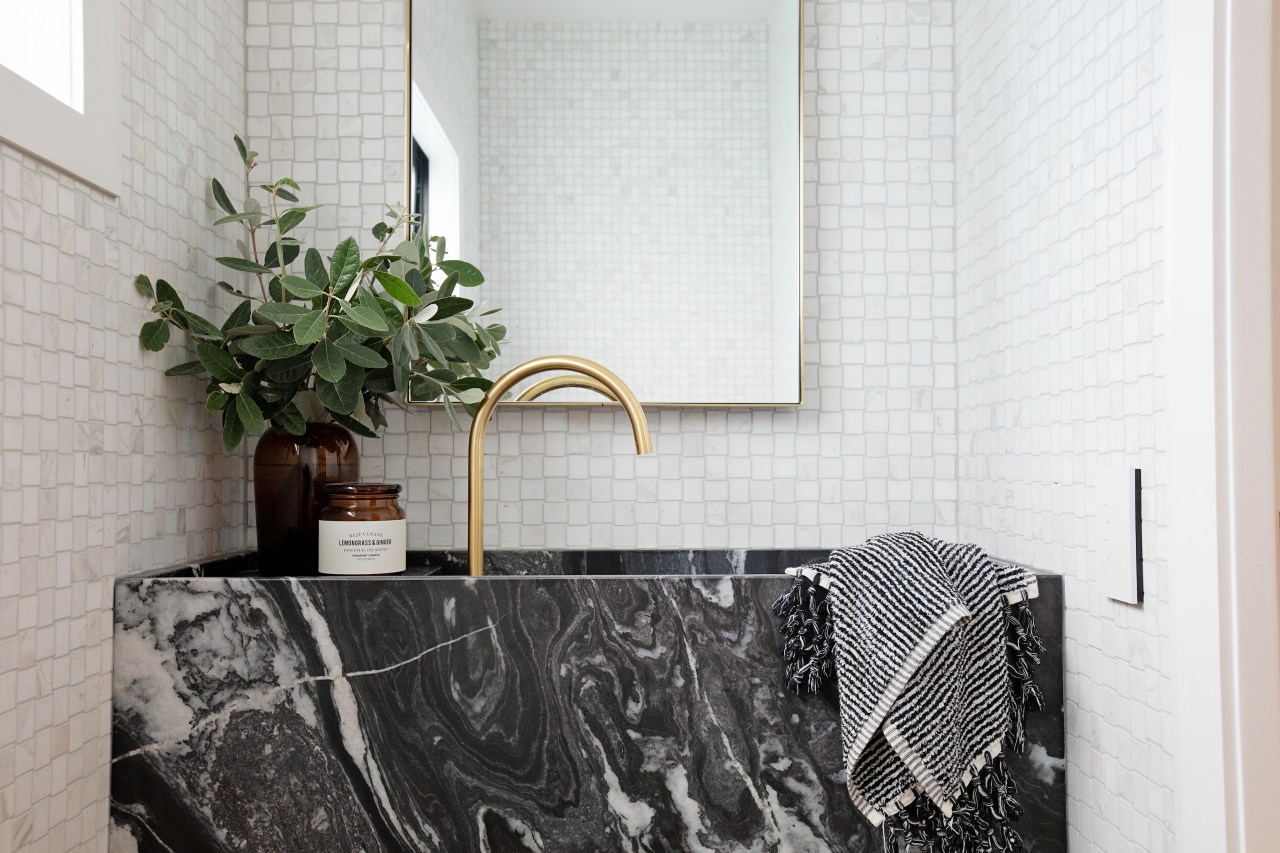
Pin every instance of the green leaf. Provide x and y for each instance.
(359, 353)
(329, 361)
(291, 250)
(296, 285)
(404, 352)
(250, 414)
(490, 311)
(290, 420)
(232, 429)
(341, 396)
(352, 424)
(397, 288)
(287, 371)
(310, 328)
(443, 376)
(447, 286)
(187, 368)
(291, 219)
(244, 154)
(379, 261)
(466, 349)
(370, 318)
(442, 332)
(216, 401)
(271, 346)
(344, 265)
(284, 313)
(241, 265)
(154, 335)
(238, 217)
(287, 196)
(357, 329)
(417, 281)
(199, 326)
(391, 312)
(379, 231)
(220, 196)
(447, 306)
(431, 345)
(468, 275)
(252, 329)
(229, 289)
(166, 293)
(143, 284)
(221, 364)
(239, 317)
(470, 396)
(316, 273)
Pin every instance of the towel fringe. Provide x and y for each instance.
(807, 634)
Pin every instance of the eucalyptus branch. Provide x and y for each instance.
(283, 363)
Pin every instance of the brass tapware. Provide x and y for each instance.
(475, 445)
(566, 380)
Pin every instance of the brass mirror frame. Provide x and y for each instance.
(800, 163)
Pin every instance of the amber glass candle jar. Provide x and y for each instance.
(362, 530)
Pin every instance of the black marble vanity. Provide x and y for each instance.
(570, 701)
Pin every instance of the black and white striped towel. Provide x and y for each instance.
(930, 644)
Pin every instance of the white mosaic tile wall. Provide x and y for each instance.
(1060, 294)
(325, 86)
(625, 202)
(875, 445)
(108, 467)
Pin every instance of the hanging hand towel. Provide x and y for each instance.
(932, 646)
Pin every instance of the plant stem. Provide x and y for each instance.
(253, 241)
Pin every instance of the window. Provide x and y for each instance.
(44, 44)
(440, 197)
(61, 91)
(421, 178)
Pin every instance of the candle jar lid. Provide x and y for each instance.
(362, 490)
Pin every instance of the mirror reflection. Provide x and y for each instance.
(627, 175)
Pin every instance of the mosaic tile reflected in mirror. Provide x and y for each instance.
(627, 174)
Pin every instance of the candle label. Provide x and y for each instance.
(362, 547)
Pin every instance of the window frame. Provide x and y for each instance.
(86, 145)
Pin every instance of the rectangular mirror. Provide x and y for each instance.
(627, 175)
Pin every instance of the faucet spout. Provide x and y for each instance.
(475, 447)
(565, 380)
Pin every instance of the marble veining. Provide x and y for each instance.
(501, 714)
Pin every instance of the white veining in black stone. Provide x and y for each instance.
(517, 713)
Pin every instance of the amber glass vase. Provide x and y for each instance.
(289, 476)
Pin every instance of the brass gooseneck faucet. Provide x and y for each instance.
(564, 380)
(475, 449)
